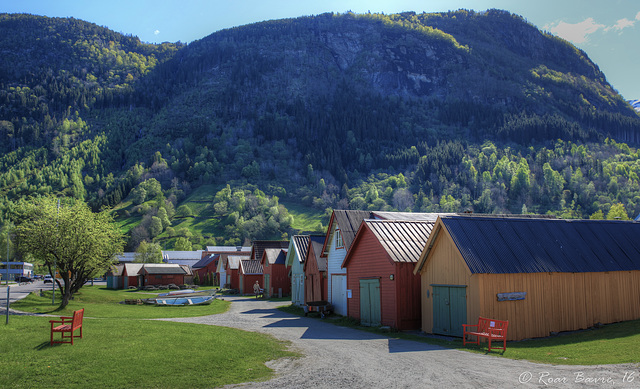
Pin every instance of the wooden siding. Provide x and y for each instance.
(234, 276)
(444, 267)
(163, 279)
(558, 302)
(315, 280)
(399, 298)
(335, 257)
(248, 281)
(554, 302)
(279, 278)
(297, 281)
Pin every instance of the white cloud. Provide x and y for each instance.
(156, 32)
(622, 24)
(576, 33)
(638, 16)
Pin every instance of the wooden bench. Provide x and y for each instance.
(68, 325)
(487, 328)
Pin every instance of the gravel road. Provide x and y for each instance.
(339, 357)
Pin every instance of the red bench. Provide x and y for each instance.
(68, 325)
(487, 328)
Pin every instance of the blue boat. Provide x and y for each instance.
(195, 300)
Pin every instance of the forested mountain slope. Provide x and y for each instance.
(458, 110)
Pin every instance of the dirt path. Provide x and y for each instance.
(339, 357)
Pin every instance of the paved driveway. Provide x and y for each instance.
(339, 357)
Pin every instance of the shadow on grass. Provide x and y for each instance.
(45, 345)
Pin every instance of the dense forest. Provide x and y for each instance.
(455, 111)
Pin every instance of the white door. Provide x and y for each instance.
(298, 289)
(339, 293)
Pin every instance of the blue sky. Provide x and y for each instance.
(607, 30)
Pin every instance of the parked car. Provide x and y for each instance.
(23, 279)
(37, 277)
(48, 279)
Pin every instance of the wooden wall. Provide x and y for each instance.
(248, 280)
(279, 278)
(554, 302)
(399, 298)
(315, 283)
(558, 302)
(445, 267)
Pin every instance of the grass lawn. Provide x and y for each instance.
(121, 349)
(612, 344)
(305, 219)
(104, 303)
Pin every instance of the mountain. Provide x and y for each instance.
(407, 111)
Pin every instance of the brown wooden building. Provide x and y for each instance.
(384, 290)
(542, 275)
(315, 272)
(275, 273)
(164, 274)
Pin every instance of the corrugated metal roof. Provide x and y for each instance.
(162, 268)
(529, 245)
(133, 268)
(349, 222)
(258, 247)
(250, 266)
(234, 261)
(116, 270)
(410, 216)
(126, 257)
(205, 261)
(301, 244)
(182, 255)
(402, 240)
(275, 256)
(229, 249)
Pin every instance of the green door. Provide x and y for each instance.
(370, 302)
(267, 287)
(449, 309)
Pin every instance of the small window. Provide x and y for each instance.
(339, 242)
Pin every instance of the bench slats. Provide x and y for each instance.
(487, 328)
(68, 325)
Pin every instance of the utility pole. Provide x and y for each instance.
(53, 276)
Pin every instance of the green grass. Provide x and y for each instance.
(122, 350)
(304, 218)
(119, 353)
(105, 303)
(612, 344)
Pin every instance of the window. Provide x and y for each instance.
(339, 242)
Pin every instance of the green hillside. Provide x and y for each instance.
(257, 131)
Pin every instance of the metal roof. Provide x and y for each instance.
(126, 257)
(409, 216)
(258, 247)
(234, 261)
(301, 244)
(132, 268)
(162, 268)
(228, 249)
(250, 266)
(181, 255)
(402, 240)
(205, 261)
(530, 245)
(275, 256)
(349, 222)
(116, 270)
